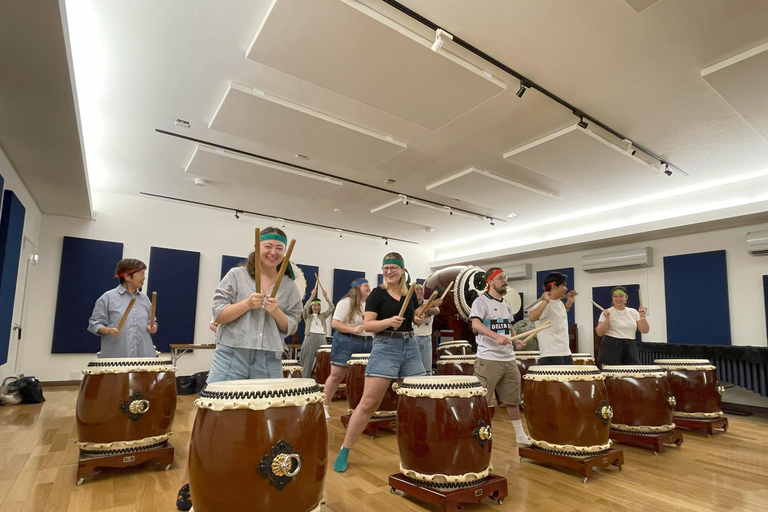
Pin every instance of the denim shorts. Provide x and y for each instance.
(394, 358)
(230, 363)
(344, 345)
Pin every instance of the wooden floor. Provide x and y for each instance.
(38, 461)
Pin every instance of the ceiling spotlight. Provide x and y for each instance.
(491, 221)
(340, 232)
(200, 182)
(439, 34)
(522, 89)
(666, 170)
(282, 222)
(336, 210)
(429, 229)
(511, 215)
(630, 150)
(583, 123)
(301, 157)
(237, 214)
(386, 241)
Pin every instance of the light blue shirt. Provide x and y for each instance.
(134, 340)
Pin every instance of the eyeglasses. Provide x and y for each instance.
(388, 270)
(501, 278)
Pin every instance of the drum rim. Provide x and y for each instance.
(439, 379)
(290, 362)
(126, 361)
(583, 354)
(582, 368)
(450, 357)
(678, 362)
(633, 368)
(259, 384)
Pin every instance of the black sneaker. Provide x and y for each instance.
(183, 502)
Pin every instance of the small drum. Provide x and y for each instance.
(322, 364)
(641, 399)
(125, 405)
(694, 384)
(456, 365)
(291, 369)
(567, 411)
(526, 359)
(583, 358)
(259, 445)
(454, 348)
(355, 384)
(444, 431)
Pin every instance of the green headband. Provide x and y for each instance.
(273, 236)
(417, 285)
(394, 261)
(316, 301)
(619, 292)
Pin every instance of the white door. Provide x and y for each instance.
(27, 262)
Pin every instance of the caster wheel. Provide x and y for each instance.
(168, 467)
(392, 490)
(655, 453)
(501, 501)
(709, 435)
(80, 481)
(583, 479)
(620, 468)
(521, 459)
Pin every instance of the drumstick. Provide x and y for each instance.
(407, 299)
(598, 306)
(529, 306)
(320, 284)
(425, 307)
(257, 261)
(284, 265)
(125, 315)
(639, 296)
(545, 325)
(154, 307)
(447, 289)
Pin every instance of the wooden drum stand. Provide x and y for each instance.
(703, 424)
(88, 462)
(655, 442)
(585, 465)
(492, 486)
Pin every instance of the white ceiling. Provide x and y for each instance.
(636, 66)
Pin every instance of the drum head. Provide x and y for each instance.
(465, 290)
(300, 280)
(513, 299)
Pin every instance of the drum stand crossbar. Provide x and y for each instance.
(703, 424)
(88, 464)
(374, 425)
(492, 486)
(657, 442)
(585, 465)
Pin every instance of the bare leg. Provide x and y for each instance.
(513, 411)
(332, 382)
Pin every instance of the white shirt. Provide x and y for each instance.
(554, 341)
(623, 323)
(496, 316)
(317, 326)
(342, 310)
(425, 329)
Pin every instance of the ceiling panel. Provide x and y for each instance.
(483, 188)
(424, 214)
(582, 159)
(743, 82)
(262, 117)
(216, 165)
(350, 49)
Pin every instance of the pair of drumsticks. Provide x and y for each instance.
(130, 307)
(281, 270)
(530, 334)
(425, 307)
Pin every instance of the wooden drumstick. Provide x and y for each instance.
(320, 284)
(257, 261)
(283, 265)
(125, 315)
(407, 299)
(598, 306)
(424, 307)
(153, 309)
(639, 296)
(545, 325)
(447, 289)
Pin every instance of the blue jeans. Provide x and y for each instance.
(425, 348)
(344, 345)
(231, 363)
(394, 358)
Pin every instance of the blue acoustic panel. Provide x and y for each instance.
(696, 297)
(602, 295)
(342, 279)
(230, 262)
(173, 274)
(569, 281)
(765, 301)
(87, 271)
(11, 236)
(309, 274)
(380, 279)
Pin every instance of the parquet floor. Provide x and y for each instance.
(728, 472)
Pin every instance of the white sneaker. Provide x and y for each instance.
(523, 441)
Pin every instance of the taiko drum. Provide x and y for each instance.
(641, 399)
(583, 358)
(322, 363)
(454, 311)
(125, 404)
(456, 365)
(356, 383)
(694, 384)
(291, 369)
(454, 348)
(567, 411)
(444, 431)
(258, 445)
(526, 359)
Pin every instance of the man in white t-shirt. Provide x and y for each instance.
(495, 364)
(554, 343)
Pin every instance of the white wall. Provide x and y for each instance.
(141, 222)
(745, 287)
(32, 220)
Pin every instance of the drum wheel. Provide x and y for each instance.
(500, 501)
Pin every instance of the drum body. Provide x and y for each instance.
(454, 348)
(125, 404)
(291, 369)
(322, 364)
(695, 387)
(641, 399)
(456, 305)
(526, 359)
(567, 411)
(356, 382)
(258, 445)
(443, 431)
(584, 358)
(456, 365)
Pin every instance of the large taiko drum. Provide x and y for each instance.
(291, 369)
(444, 431)
(456, 365)
(567, 411)
(322, 363)
(125, 405)
(454, 348)
(583, 358)
(258, 445)
(355, 384)
(641, 399)
(525, 359)
(694, 384)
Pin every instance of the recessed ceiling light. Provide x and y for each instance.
(301, 157)
(336, 210)
(512, 215)
(390, 181)
(182, 123)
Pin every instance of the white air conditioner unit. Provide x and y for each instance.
(757, 242)
(518, 272)
(618, 260)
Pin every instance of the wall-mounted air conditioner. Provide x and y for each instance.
(757, 242)
(618, 260)
(518, 272)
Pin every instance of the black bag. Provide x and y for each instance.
(185, 385)
(200, 380)
(29, 389)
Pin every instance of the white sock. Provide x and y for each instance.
(327, 415)
(520, 436)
